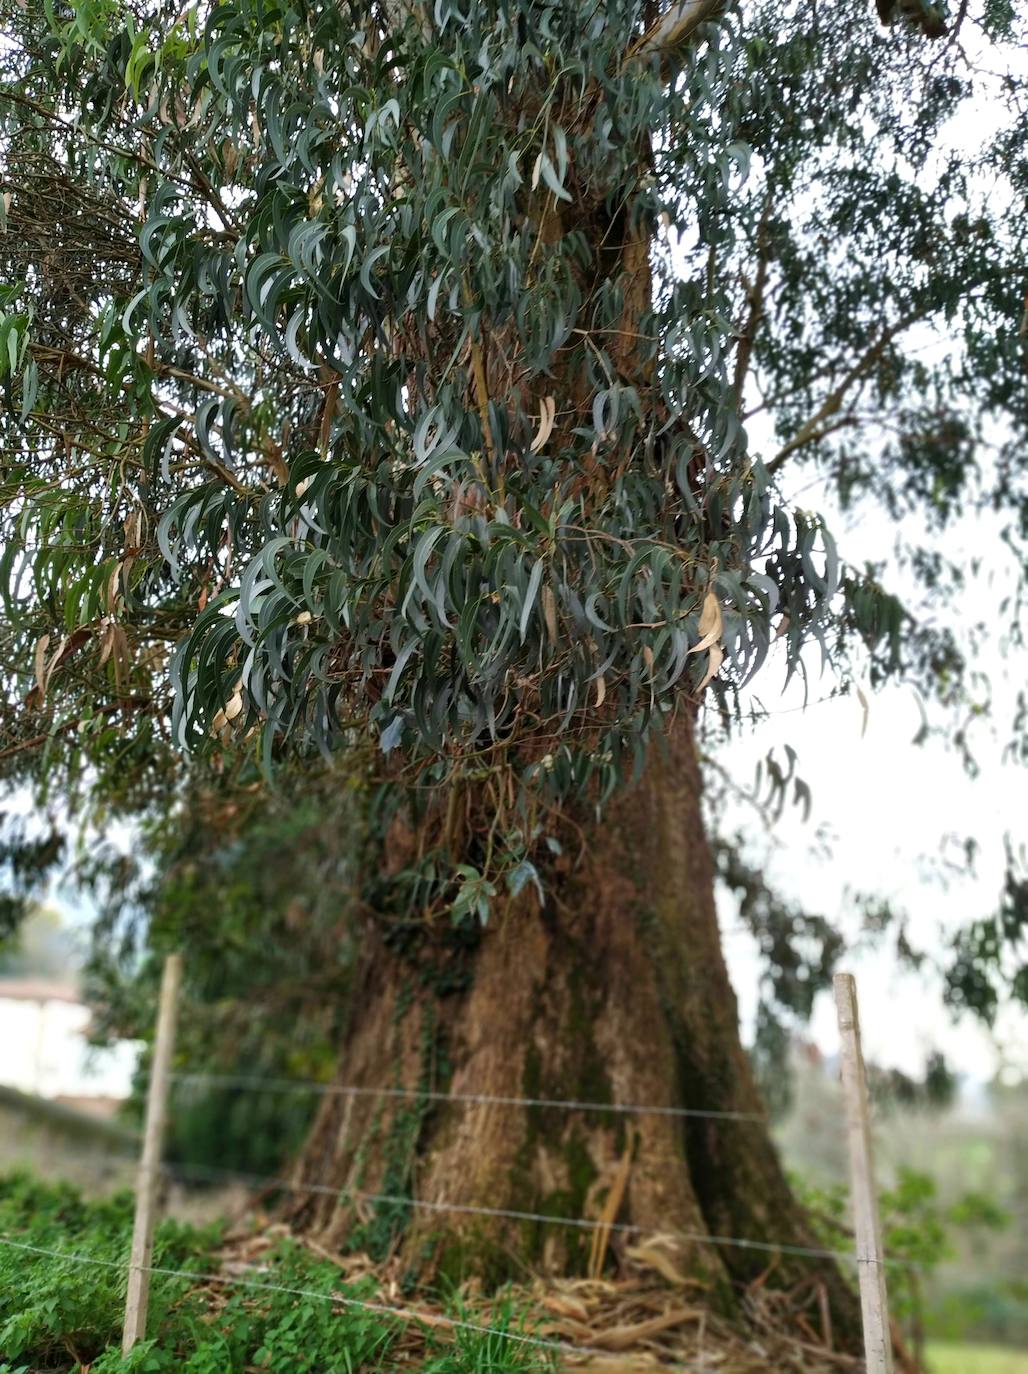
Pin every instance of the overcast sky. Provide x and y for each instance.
(888, 804)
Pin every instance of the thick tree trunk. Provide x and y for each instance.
(615, 992)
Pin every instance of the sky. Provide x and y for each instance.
(887, 804)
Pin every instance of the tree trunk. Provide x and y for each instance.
(614, 992)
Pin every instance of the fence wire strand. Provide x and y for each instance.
(271, 1182)
(303, 1085)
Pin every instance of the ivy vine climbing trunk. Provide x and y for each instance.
(613, 992)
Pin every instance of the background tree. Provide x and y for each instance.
(382, 380)
(260, 889)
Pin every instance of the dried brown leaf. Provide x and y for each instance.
(710, 624)
(67, 647)
(601, 1236)
(111, 595)
(547, 415)
(717, 657)
(121, 655)
(623, 1337)
(550, 613)
(658, 1252)
(567, 1307)
(133, 532)
(867, 710)
(39, 666)
(106, 643)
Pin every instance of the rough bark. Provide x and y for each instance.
(615, 991)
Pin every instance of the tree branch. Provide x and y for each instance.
(674, 26)
(755, 295)
(80, 131)
(817, 425)
(36, 741)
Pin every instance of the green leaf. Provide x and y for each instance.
(530, 595)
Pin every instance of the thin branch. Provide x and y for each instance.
(18, 98)
(135, 703)
(818, 425)
(211, 195)
(675, 26)
(755, 296)
(66, 357)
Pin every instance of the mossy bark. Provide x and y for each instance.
(613, 992)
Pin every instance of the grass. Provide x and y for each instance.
(976, 1359)
(59, 1316)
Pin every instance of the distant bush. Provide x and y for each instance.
(986, 1310)
(919, 1235)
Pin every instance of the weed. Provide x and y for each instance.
(59, 1315)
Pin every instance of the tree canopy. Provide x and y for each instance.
(433, 384)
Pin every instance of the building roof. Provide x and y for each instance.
(38, 990)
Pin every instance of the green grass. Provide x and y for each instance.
(976, 1359)
(58, 1315)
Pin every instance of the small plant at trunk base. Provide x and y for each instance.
(58, 1316)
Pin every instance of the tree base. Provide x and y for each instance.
(615, 994)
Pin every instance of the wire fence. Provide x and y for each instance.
(352, 1196)
(345, 1194)
(306, 1085)
(139, 1266)
(275, 1183)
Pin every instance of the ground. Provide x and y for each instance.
(241, 1300)
(976, 1359)
(244, 1297)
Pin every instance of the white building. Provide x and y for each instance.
(44, 1049)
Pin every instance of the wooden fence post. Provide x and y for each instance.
(870, 1258)
(138, 1295)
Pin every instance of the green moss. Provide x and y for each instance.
(366, 1148)
(581, 1171)
(719, 1295)
(567, 1202)
(585, 1079)
(593, 1081)
(398, 1148)
(445, 979)
(472, 1253)
(404, 1001)
(532, 1075)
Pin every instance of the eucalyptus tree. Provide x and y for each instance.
(424, 383)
